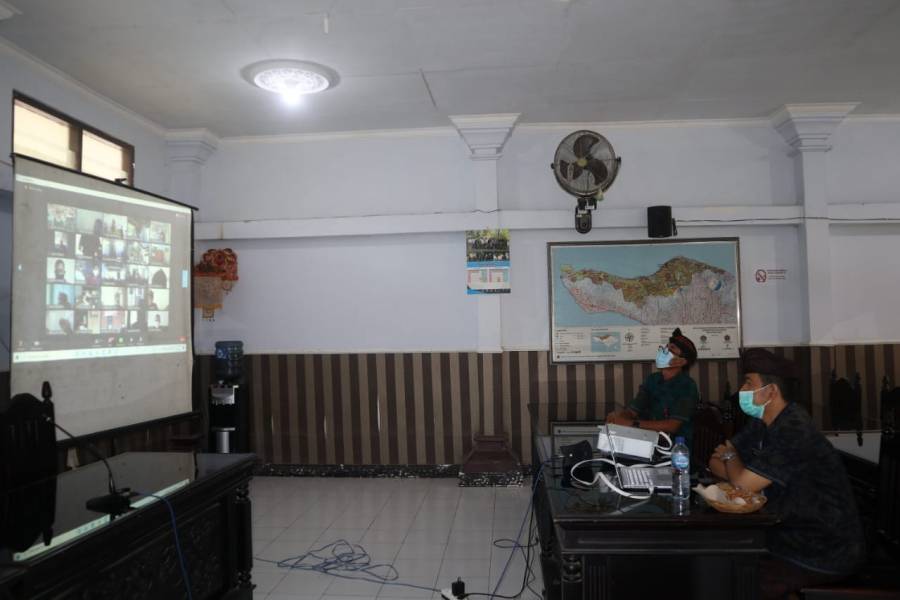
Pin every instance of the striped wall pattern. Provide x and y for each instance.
(424, 408)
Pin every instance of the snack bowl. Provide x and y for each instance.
(752, 502)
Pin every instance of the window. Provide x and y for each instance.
(46, 134)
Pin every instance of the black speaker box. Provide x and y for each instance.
(660, 223)
(572, 455)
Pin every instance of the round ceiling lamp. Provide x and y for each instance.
(291, 79)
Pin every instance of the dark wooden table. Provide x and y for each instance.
(598, 545)
(134, 556)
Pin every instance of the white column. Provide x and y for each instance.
(186, 152)
(485, 136)
(807, 128)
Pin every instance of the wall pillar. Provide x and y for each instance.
(485, 135)
(186, 153)
(807, 128)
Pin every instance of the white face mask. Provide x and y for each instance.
(745, 399)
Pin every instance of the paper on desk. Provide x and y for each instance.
(716, 494)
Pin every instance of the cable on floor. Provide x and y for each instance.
(346, 561)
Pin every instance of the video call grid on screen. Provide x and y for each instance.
(107, 278)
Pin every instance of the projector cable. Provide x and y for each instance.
(181, 561)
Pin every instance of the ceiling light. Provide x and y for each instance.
(8, 11)
(291, 79)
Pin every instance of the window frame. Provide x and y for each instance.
(78, 129)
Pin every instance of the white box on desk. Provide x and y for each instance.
(630, 442)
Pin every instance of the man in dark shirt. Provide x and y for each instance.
(781, 453)
(667, 399)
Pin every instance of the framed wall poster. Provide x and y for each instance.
(615, 301)
(487, 261)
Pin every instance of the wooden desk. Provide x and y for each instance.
(134, 556)
(598, 545)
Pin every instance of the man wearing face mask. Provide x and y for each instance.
(781, 453)
(667, 399)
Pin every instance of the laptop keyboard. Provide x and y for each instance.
(638, 478)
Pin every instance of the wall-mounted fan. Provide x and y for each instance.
(585, 165)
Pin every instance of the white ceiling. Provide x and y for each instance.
(410, 63)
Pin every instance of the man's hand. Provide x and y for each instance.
(723, 449)
(617, 418)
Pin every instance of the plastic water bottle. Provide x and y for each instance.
(681, 469)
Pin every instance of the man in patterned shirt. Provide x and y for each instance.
(781, 453)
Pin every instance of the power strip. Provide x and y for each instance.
(456, 591)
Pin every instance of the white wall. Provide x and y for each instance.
(322, 176)
(338, 295)
(686, 164)
(28, 76)
(865, 282)
(317, 177)
(864, 163)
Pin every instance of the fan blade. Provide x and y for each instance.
(598, 169)
(564, 169)
(583, 144)
(576, 172)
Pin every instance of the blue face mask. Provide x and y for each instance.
(663, 358)
(745, 399)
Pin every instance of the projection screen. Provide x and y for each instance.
(101, 304)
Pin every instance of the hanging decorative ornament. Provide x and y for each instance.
(214, 276)
(208, 293)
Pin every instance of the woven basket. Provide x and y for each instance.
(754, 501)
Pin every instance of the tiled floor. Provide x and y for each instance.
(431, 530)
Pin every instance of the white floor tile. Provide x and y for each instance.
(303, 584)
(424, 551)
(348, 587)
(430, 529)
(265, 582)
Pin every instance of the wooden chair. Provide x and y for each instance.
(880, 576)
(713, 424)
(890, 405)
(710, 430)
(845, 403)
(887, 517)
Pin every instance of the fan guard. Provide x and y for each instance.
(585, 164)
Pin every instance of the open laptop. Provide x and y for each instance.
(639, 478)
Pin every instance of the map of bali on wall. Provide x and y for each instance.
(621, 300)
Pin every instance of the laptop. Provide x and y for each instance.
(639, 478)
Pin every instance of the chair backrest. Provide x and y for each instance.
(845, 405)
(887, 519)
(890, 406)
(710, 430)
(27, 471)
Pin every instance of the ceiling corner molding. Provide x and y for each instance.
(190, 145)
(8, 11)
(485, 135)
(325, 136)
(568, 127)
(68, 80)
(808, 127)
